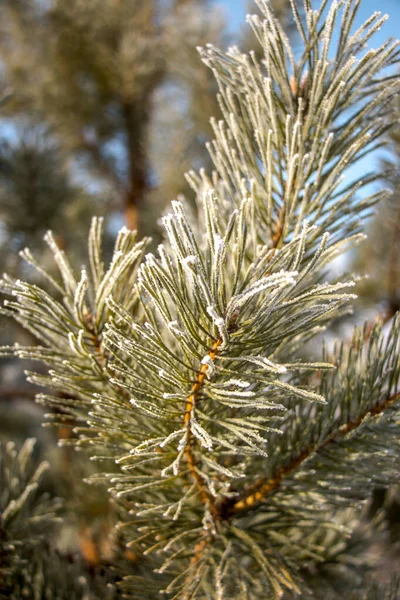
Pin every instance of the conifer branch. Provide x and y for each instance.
(186, 373)
(264, 488)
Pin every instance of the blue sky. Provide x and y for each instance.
(236, 11)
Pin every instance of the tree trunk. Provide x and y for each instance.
(136, 116)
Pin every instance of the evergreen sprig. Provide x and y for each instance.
(31, 564)
(236, 459)
(24, 515)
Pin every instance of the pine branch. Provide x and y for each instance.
(264, 488)
(31, 565)
(71, 325)
(185, 364)
(191, 405)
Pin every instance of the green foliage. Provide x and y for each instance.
(31, 565)
(241, 470)
(26, 516)
(36, 193)
(26, 189)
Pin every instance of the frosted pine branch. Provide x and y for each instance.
(236, 458)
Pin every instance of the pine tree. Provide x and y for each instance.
(284, 14)
(241, 471)
(37, 193)
(43, 181)
(106, 77)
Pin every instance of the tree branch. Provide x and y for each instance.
(264, 487)
(136, 121)
(15, 392)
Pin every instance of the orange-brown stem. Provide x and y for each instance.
(278, 231)
(198, 551)
(191, 403)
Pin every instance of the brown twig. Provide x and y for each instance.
(276, 238)
(191, 403)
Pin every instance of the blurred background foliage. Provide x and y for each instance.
(380, 258)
